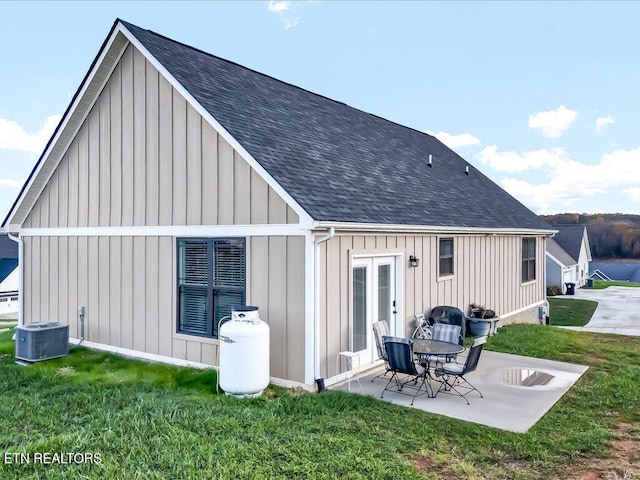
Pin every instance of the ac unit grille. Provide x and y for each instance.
(41, 341)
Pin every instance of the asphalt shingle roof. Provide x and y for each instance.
(559, 253)
(569, 237)
(339, 163)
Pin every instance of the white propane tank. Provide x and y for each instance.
(244, 353)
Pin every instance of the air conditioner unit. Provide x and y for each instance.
(41, 341)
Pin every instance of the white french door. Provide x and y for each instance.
(375, 298)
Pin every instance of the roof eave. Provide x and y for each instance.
(435, 229)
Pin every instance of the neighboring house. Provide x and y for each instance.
(570, 252)
(560, 267)
(179, 184)
(9, 276)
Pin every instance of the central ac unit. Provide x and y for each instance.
(41, 341)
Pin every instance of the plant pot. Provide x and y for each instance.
(479, 328)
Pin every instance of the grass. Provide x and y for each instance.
(150, 421)
(602, 284)
(570, 312)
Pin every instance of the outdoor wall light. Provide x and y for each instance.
(414, 261)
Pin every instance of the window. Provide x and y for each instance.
(445, 255)
(528, 259)
(211, 280)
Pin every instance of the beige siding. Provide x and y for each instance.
(487, 271)
(144, 156)
(128, 286)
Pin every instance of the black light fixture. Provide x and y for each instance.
(414, 261)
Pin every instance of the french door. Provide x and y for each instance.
(374, 291)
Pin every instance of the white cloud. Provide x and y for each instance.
(14, 137)
(278, 6)
(554, 122)
(567, 181)
(285, 12)
(511, 161)
(9, 182)
(634, 193)
(291, 22)
(456, 140)
(602, 122)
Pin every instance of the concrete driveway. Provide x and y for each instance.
(618, 310)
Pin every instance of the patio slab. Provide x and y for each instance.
(504, 406)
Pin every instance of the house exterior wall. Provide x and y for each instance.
(128, 286)
(145, 157)
(583, 264)
(487, 272)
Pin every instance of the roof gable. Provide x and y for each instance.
(570, 238)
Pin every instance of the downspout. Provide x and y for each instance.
(20, 243)
(316, 309)
(546, 313)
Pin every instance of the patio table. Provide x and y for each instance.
(438, 348)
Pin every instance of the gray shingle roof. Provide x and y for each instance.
(339, 163)
(559, 253)
(569, 237)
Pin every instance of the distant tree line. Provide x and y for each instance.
(611, 235)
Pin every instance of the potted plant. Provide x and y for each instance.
(482, 321)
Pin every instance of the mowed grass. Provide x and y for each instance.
(570, 312)
(602, 284)
(151, 421)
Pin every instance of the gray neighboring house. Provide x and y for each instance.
(179, 184)
(567, 257)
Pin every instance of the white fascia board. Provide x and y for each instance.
(559, 262)
(71, 123)
(275, 230)
(305, 218)
(347, 227)
(555, 260)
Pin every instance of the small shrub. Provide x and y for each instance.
(553, 290)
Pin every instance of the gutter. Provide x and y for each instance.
(316, 301)
(20, 243)
(377, 227)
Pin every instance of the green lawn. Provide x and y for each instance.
(570, 312)
(150, 421)
(602, 284)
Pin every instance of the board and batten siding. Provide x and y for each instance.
(144, 156)
(487, 271)
(128, 286)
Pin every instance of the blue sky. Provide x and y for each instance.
(543, 97)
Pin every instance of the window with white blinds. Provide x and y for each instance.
(211, 280)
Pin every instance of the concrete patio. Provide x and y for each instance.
(504, 406)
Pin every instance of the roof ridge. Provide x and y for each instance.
(209, 54)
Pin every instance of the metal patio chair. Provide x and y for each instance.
(453, 374)
(401, 362)
(380, 330)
